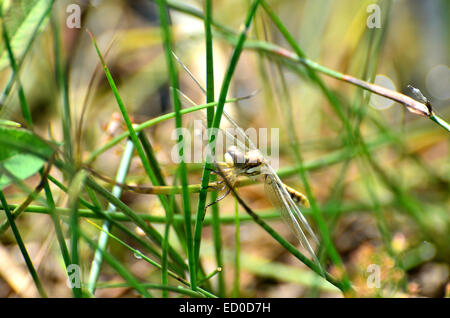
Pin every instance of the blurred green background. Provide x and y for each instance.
(388, 208)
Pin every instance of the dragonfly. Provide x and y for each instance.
(243, 158)
(243, 161)
(419, 96)
(238, 163)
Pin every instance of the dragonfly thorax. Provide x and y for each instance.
(249, 163)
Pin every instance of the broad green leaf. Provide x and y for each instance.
(22, 154)
(22, 19)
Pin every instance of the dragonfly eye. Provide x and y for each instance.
(234, 156)
(253, 159)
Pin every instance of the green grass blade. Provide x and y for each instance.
(149, 231)
(61, 72)
(150, 261)
(22, 247)
(209, 119)
(216, 121)
(118, 267)
(216, 222)
(164, 288)
(237, 253)
(149, 123)
(22, 22)
(12, 61)
(167, 41)
(112, 218)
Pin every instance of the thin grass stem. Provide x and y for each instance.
(22, 247)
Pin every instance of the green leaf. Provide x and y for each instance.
(22, 154)
(5, 122)
(22, 18)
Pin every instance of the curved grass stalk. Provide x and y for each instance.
(411, 104)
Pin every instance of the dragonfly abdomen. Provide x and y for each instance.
(297, 196)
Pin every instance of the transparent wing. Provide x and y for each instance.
(418, 94)
(282, 189)
(279, 201)
(241, 144)
(240, 132)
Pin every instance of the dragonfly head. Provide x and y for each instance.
(250, 163)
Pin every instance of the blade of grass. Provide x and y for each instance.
(114, 141)
(22, 247)
(164, 288)
(150, 261)
(165, 247)
(113, 218)
(329, 209)
(207, 167)
(149, 231)
(289, 247)
(148, 149)
(216, 222)
(23, 103)
(11, 79)
(167, 41)
(408, 102)
(118, 267)
(211, 275)
(62, 80)
(76, 185)
(210, 117)
(209, 61)
(295, 145)
(237, 253)
(57, 225)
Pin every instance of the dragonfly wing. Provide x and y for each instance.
(279, 201)
(240, 132)
(298, 214)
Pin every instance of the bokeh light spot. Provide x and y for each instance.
(438, 82)
(377, 101)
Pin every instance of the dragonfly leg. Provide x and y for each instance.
(217, 187)
(212, 187)
(219, 198)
